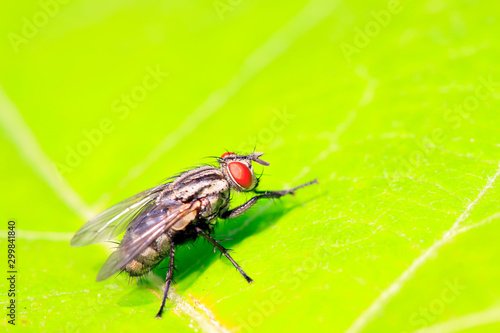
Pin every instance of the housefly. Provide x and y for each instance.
(186, 206)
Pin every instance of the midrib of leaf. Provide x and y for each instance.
(460, 324)
(31, 151)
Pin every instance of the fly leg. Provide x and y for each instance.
(262, 195)
(168, 280)
(224, 252)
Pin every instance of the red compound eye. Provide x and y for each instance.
(241, 174)
(227, 154)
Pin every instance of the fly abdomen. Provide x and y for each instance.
(135, 268)
(150, 257)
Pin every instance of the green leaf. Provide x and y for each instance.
(391, 105)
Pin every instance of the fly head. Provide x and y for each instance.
(238, 170)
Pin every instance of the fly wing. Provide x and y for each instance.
(114, 220)
(151, 226)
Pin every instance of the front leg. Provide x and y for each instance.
(263, 195)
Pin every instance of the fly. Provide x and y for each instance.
(159, 219)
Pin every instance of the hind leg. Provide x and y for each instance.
(168, 280)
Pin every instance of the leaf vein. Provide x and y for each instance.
(392, 290)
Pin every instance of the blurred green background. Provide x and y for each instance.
(392, 105)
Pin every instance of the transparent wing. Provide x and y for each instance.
(151, 226)
(114, 220)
